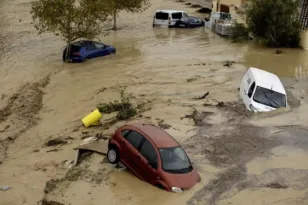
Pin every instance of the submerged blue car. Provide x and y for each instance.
(84, 50)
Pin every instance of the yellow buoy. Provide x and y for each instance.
(92, 119)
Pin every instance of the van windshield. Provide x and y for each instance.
(162, 16)
(175, 160)
(269, 97)
(177, 15)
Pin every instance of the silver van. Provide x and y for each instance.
(167, 18)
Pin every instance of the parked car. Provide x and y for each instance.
(84, 50)
(262, 91)
(189, 22)
(152, 155)
(167, 18)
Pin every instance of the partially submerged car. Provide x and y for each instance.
(189, 22)
(262, 91)
(84, 50)
(152, 155)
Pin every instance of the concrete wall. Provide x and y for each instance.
(304, 39)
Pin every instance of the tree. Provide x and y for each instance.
(133, 6)
(272, 22)
(70, 19)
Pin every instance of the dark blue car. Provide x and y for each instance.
(84, 50)
(189, 22)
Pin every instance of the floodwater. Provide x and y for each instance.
(167, 67)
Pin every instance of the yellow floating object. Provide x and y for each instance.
(92, 119)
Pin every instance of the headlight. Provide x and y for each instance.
(253, 108)
(176, 189)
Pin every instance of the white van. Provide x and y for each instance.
(262, 91)
(167, 18)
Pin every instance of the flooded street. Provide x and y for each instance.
(242, 158)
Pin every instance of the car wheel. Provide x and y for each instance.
(112, 53)
(113, 155)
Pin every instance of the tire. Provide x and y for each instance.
(112, 53)
(113, 155)
(153, 25)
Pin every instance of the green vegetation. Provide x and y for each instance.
(273, 23)
(70, 19)
(124, 107)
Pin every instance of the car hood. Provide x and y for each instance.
(184, 181)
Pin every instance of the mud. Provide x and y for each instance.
(20, 114)
(242, 157)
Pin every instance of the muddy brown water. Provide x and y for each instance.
(238, 157)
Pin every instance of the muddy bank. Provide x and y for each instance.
(20, 114)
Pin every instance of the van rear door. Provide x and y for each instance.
(161, 18)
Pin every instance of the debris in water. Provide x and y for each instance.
(68, 164)
(201, 97)
(5, 188)
(46, 202)
(279, 51)
(53, 150)
(51, 185)
(164, 126)
(228, 63)
(276, 185)
(36, 150)
(55, 142)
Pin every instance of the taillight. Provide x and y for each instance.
(76, 54)
(169, 19)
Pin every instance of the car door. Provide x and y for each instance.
(101, 49)
(91, 50)
(149, 162)
(130, 154)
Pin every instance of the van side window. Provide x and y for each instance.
(161, 16)
(185, 15)
(148, 152)
(251, 89)
(177, 15)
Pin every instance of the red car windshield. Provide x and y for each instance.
(175, 160)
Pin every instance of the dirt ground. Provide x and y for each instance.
(243, 158)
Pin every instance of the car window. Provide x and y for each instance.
(193, 20)
(99, 45)
(250, 91)
(124, 133)
(185, 15)
(162, 16)
(148, 151)
(134, 139)
(90, 47)
(177, 15)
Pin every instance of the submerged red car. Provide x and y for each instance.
(152, 155)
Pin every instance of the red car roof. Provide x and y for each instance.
(160, 138)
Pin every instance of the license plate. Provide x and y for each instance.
(182, 25)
